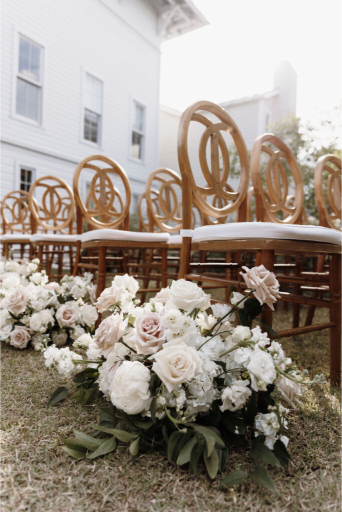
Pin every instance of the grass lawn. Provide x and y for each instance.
(37, 476)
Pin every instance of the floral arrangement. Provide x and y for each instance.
(182, 378)
(34, 310)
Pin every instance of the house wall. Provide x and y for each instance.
(115, 41)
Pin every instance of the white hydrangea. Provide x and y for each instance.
(235, 396)
(261, 369)
(259, 337)
(42, 320)
(269, 426)
(63, 360)
(220, 310)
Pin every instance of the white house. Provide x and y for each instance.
(81, 77)
(252, 114)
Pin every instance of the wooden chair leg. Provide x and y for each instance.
(164, 268)
(184, 257)
(311, 310)
(101, 274)
(77, 259)
(40, 257)
(296, 307)
(6, 250)
(335, 316)
(267, 259)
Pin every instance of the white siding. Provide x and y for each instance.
(121, 48)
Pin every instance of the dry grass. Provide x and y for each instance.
(37, 476)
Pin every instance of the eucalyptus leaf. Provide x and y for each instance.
(121, 435)
(58, 395)
(233, 479)
(106, 446)
(260, 475)
(212, 463)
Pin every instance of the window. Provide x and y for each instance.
(26, 178)
(92, 109)
(29, 80)
(138, 131)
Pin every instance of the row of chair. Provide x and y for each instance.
(104, 243)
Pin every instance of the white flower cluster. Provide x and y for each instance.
(63, 360)
(32, 309)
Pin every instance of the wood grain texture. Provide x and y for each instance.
(328, 191)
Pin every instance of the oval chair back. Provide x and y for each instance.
(328, 191)
(102, 205)
(52, 204)
(15, 212)
(272, 164)
(206, 183)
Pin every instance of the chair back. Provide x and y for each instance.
(272, 165)
(103, 205)
(213, 196)
(15, 212)
(328, 191)
(52, 204)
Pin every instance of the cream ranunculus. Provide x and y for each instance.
(130, 386)
(265, 284)
(16, 301)
(188, 296)
(110, 330)
(19, 337)
(111, 296)
(149, 333)
(66, 316)
(176, 363)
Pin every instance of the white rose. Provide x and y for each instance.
(149, 334)
(32, 267)
(265, 284)
(38, 278)
(261, 369)
(66, 316)
(59, 338)
(176, 363)
(76, 332)
(188, 296)
(108, 368)
(88, 315)
(235, 297)
(10, 280)
(110, 330)
(162, 296)
(19, 337)
(78, 289)
(131, 388)
(83, 341)
(12, 266)
(241, 333)
(289, 391)
(111, 296)
(220, 310)
(234, 397)
(174, 320)
(16, 301)
(128, 282)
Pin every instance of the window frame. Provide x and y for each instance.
(141, 160)
(16, 75)
(21, 166)
(98, 144)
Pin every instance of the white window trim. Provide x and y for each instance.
(98, 145)
(17, 32)
(143, 149)
(29, 167)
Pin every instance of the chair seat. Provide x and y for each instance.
(23, 237)
(175, 239)
(42, 237)
(120, 235)
(243, 230)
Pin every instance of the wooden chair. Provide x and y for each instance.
(328, 196)
(17, 224)
(52, 205)
(265, 238)
(106, 212)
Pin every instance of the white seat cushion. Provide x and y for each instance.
(243, 230)
(16, 236)
(42, 237)
(175, 239)
(123, 236)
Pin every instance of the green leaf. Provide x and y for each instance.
(153, 409)
(261, 476)
(106, 446)
(207, 432)
(223, 456)
(143, 425)
(121, 435)
(134, 446)
(172, 444)
(261, 452)
(185, 453)
(252, 307)
(107, 413)
(61, 299)
(58, 395)
(252, 408)
(14, 316)
(269, 329)
(155, 383)
(88, 442)
(196, 453)
(89, 395)
(212, 463)
(281, 453)
(243, 318)
(75, 445)
(78, 395)
(165, 434)
(233, 479)
(74, 453)
(234, 423)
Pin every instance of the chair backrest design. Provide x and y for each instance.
(216, 198)
(271, 199)
(16, 215)
(104, 205)
(328, 190)
(52, 204)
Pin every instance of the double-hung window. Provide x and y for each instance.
(26, 178)
(29, 80)
(92, 109)
(138, 132)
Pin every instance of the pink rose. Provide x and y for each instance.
(149, 334)
(265, 284)
(109, 297)
(66, 316)
(109, 332)
(19, 337)
(53, 286)
(16, 302)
